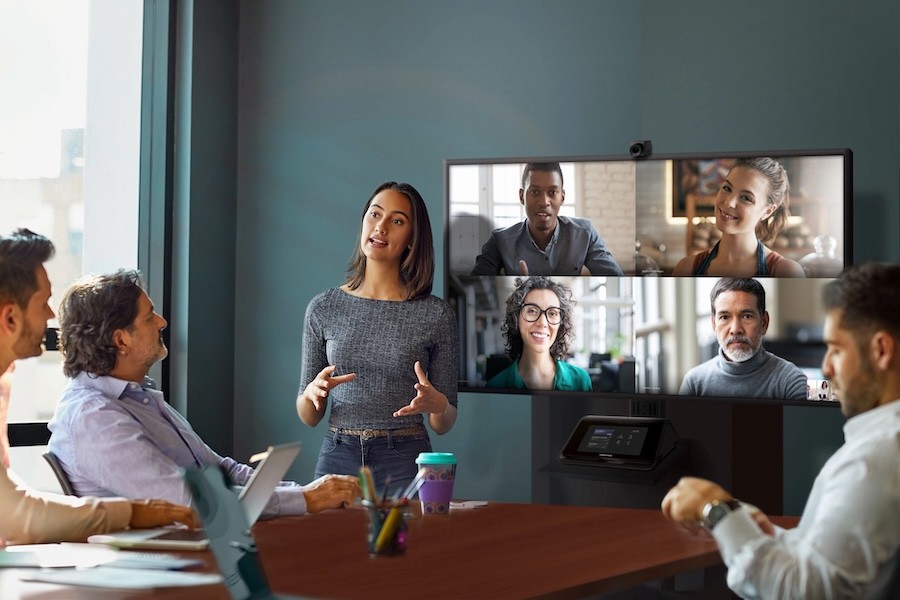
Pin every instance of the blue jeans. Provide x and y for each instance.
(386, 455)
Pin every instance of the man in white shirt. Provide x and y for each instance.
(846, 543)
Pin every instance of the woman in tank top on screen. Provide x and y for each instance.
(381, 347)
(751, 208)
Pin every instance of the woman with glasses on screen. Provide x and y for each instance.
(538, 330)
(751, 208)
(381, 347)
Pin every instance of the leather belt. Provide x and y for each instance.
(368, 434)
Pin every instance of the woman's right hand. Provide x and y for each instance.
(317, 390)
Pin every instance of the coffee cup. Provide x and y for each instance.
(437, 489)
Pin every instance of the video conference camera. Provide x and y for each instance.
(640, 149)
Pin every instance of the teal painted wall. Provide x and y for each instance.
(769, 74)
(335, 97)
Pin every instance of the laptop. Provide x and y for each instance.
(230, 538)
(253, 499)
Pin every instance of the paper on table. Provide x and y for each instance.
(89, 555)
(125, 579)
(152, 560)
(467, 504)
(56, 555)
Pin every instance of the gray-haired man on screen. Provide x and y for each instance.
(742, 367)
(847, 541)
(545, 243)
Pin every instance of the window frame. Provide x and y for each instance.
(155, 191)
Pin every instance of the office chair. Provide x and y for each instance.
(60, 474)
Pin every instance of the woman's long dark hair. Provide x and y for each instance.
(417, 263)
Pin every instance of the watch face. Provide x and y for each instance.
(716, 513)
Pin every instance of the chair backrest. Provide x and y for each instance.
(60, 474)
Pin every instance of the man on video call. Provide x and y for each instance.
(30, 516)
(846, 544)
(742, 367)
(114, 434)
(545, 243)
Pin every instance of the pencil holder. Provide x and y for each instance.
(388, 530)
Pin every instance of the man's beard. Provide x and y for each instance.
(30, 343)
(861, 392)
(739, 354)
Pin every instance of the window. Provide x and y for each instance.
(69, 149)
(492, 191)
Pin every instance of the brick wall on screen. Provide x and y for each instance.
(607, 198)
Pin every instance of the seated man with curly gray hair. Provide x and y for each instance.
(117, 436)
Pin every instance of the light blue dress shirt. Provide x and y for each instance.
(119, 438)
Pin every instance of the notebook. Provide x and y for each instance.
(253, 499)
(230, 538)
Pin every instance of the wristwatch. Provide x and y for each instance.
(717, 510)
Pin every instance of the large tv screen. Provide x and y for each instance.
(634, 327)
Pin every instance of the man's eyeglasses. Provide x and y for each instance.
(533, 312)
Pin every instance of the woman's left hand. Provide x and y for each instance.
(428, 400)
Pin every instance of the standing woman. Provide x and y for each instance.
(751, 207)
(382, 347)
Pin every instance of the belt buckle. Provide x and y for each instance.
(368, 434)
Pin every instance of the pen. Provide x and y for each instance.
(362, 486)
(418, 485)
(415, 484)
(365, 474)
(387, 482)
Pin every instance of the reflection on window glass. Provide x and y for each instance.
(69, 149)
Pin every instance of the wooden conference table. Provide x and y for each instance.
(495, 551)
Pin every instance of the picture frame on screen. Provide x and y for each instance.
(639, 332)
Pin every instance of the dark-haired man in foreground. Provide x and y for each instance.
(743, 367)
(29, 516)
(545, 243)
(114, 434)
(846, 543)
